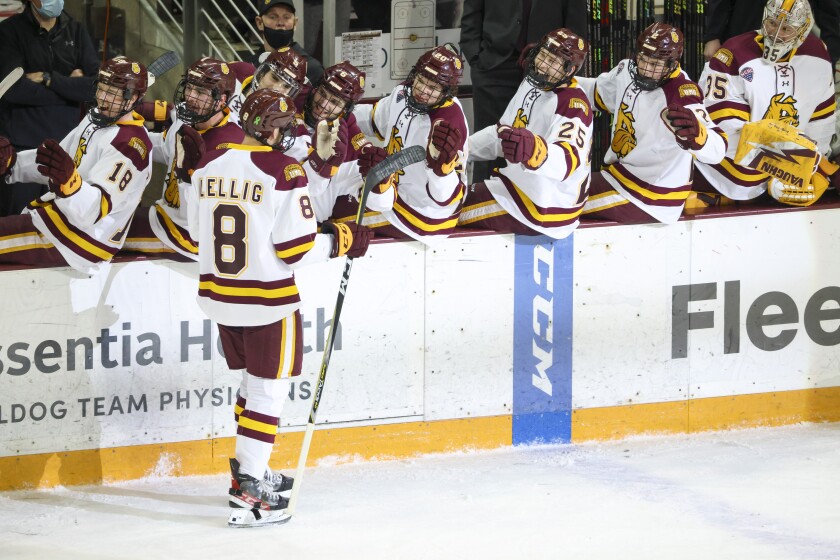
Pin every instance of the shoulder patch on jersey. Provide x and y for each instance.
(725, 56)
(747, 73)
(293, 170)
(689, 90)
(575, 103)
(140, 146)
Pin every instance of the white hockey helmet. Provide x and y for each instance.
(784, 26)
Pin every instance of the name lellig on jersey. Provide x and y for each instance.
(231, 189)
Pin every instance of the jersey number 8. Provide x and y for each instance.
(230, 236)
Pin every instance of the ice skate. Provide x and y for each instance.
(276, 481)
(245, 518)
(255, 504)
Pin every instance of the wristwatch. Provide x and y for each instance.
(47, 79)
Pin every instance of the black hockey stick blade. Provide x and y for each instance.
(389, 166)
(163, 64)
(10, 80)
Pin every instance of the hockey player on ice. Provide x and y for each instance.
(93, 193)
(659, 128)
(251, 213)
(781, 73)
(423, 200)
(545, 134)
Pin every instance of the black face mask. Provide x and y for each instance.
(278, 38)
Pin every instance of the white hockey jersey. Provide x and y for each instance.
(424, 206)
(741, 87)
(251, 213)
(645, 164)
(167, 216)
(114, 162)
(550, 198)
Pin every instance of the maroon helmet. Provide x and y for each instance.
(202, 86)
(662, 46)
(130, 77)
(287, 66)
(342, 80)
(265, 111)
(442, 65)
(555, 61)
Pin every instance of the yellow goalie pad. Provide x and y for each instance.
(778, 149)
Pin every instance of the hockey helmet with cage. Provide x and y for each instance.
(658, 52)
(119, 80)
(556, 59)
(443, 66)
(784, 26)
(287, 67)
(201, 89)
(341, 81)
(265, 111)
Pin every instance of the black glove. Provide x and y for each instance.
(57, 165)
(349, 238)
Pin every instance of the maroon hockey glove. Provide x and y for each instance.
(330, 143)
(155, 113)
(8, 156)
(349, 238)
(57, 166)
(369, 156)
(688, 131)
(442, 152)
(190, 150)
(520, 145)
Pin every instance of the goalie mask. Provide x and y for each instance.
(341, 87)
(556, 60)
(434, 79)
(283, 71)
(658, 52)
(119, 81)
(266, 111)
(784, 27)
(204, 90)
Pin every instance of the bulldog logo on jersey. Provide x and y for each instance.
(624, 138)
(81, 150)
(172, 195)
(782, 109)
(521, 119)
(395, 144)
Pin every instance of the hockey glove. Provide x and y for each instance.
(369, 156)
(8, 156)
(330, 142)
(798, 195)
(442, 151)
(155, 113)
(349, 238)
(520, 145)
(189, 149)
(57, 166)
(689, 132)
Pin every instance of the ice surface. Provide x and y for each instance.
(755, 494)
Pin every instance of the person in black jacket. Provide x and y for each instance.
(493, 35)
(276, 23)
(60, 66)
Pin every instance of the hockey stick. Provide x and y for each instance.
(10, 80)
(377, 174)
(162, 64)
